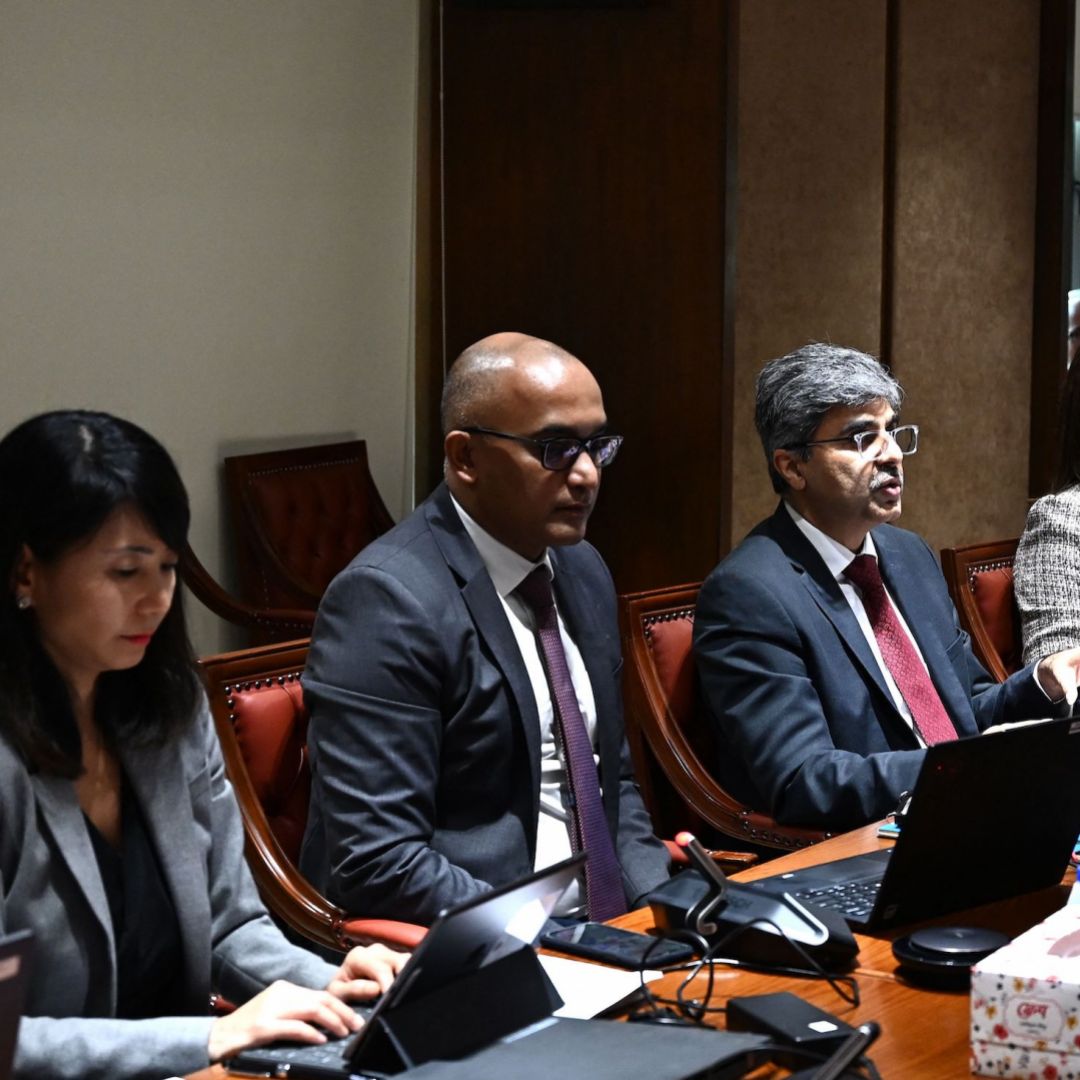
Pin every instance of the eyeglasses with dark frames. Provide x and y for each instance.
(561, 451)
(871, 445)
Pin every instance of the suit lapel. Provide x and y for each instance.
(160, 786)
(63, 817)
(490, 620)
(826, 593)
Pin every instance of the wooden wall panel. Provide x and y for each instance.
(883, 165)
(809, 244)
(583, 168)
(963, 279)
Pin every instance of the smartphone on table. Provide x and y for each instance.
(613, 945)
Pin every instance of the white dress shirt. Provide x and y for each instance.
(507, 569)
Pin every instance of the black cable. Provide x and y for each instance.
(697, 1009)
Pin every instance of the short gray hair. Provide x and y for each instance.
(796, 391)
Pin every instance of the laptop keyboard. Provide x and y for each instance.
(854, 899)
(304, 1059)
(329, 1055)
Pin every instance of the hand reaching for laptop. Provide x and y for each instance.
(366, 972)
(287, 1011)
(1059, 675)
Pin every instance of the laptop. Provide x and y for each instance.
(14, 977)
(990, 818)
(463, 942)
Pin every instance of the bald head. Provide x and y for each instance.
(493, 367)
(506, 398)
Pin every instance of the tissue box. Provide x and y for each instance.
(1025, 1004)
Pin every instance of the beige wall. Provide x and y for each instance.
(812, 206)
(811, 153)
(206, 225)
(965, 257)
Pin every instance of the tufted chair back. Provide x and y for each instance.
(299, 516)
(980, 580)
(258, 707)
(667, 729)
(270, 724)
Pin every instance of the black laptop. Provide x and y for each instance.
(990, 818)
(497, 927)
(14, 976)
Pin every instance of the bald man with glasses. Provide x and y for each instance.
(463, 681)
(828, 650)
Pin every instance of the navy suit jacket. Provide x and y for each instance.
(806, 727)
(425, 737)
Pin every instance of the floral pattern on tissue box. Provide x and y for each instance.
(1025, 1004)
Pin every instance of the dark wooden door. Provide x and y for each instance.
(581, 155)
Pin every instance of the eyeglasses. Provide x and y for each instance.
(560, 452)
(871, 445)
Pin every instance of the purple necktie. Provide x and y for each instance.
(603, 878)
(898, 652)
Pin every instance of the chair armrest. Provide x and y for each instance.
(283, 623)
(727, 860)
(397, 935)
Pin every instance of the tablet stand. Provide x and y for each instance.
(460, 1017)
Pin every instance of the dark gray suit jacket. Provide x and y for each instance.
(49, 883)
(425, 738)
(806, 726)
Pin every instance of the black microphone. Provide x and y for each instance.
(702, 916)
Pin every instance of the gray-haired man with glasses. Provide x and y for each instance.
(463, 681)
(828, 648)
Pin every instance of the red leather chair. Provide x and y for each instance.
(299, 516)
(980, 580)
(261, 721)
(669, 738)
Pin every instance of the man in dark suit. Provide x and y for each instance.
(824, 687)
(437, 772)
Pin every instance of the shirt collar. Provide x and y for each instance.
(506, 568)
(837, 557)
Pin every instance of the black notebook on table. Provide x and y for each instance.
(991, 817)
(607, 1050)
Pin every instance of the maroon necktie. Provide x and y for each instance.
(603, 878)
(898, 651)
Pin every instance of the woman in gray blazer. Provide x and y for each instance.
(120, 842)
(1047, 567)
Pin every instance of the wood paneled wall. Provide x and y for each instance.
(679, 190)
(583, 160)
(811, 148)
(964, 271)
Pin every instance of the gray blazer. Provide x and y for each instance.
(49, 883)
(1047, 575)
(424, 736)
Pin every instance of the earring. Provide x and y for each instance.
(22, 602)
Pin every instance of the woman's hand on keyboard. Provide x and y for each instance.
(282, 1011)
(366, 972)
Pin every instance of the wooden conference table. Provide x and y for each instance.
(924, 1033)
